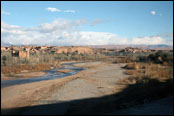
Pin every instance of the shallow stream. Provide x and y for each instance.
(51, 74)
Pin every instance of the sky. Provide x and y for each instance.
(87, 22)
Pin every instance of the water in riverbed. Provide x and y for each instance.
(51, 74)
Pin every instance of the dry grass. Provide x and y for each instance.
(19, 68)
(147, 81)
(131, 72)
(150, 78)
(149, 70)
(123, 60)
(135, 65)
(130, 66)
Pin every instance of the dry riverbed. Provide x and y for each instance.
(97, 80)
(75, 94)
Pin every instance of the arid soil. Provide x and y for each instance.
(22, 75)
(56, 96)
(98, 80)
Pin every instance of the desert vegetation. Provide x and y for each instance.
(150, 77)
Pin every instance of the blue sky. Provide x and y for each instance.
(128, 21)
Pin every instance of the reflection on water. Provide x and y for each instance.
(51, 74)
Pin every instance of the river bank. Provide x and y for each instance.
(26, 74)
(22, 75)
(95, 90)
(65, 70)
(96, 81)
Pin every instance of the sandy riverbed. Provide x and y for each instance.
(98, 80)
(68, 95)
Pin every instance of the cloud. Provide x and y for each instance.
(59, 31)
(68, 32)
(5, 13)
(70, 11)
(59, 25)
(53, 9)
(58, 10)
(153, 12)
(95, 22)
(11, 29)
(147, 40)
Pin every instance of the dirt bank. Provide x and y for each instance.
(98, 80)
(25, 94)
(22, 75)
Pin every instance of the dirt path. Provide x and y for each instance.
(98, 80)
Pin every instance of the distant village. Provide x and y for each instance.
(24, 51)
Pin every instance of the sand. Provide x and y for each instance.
(98, 80)
(57, 96)
(22, 75)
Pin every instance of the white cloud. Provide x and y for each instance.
(70, 11)
(68, 32)
(5, 13)
(53, 9)
(56, 32)
(58, 10)
(148, 40)
(153, 12)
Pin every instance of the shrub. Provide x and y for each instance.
(130, 66)
(160, 57)
(131, 72)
